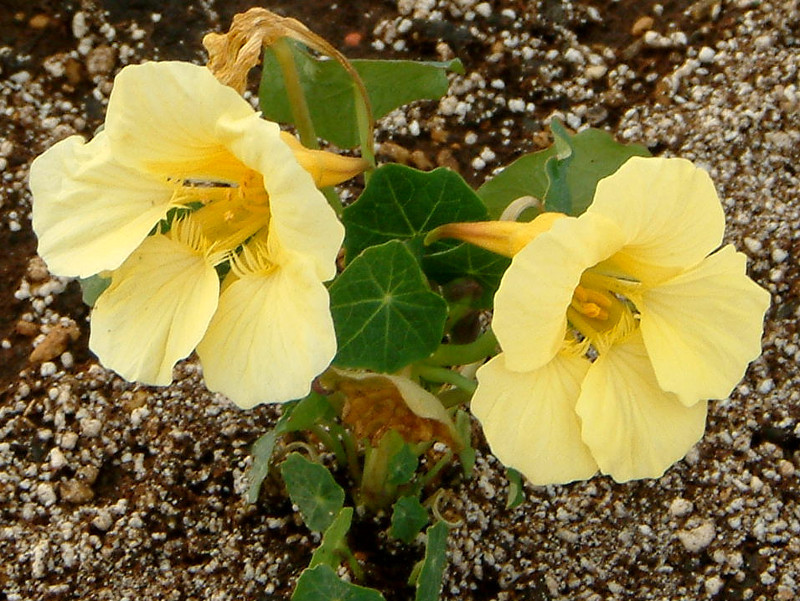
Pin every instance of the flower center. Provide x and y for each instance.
(230, 213)
(600, 310)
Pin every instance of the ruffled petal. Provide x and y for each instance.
(633, 428)
(155, 311)
(302, 221)
(163, 117)
(529, 418)
(271, 336)
(669, 212)
(531, 304)
(89, 211)
(703, 327)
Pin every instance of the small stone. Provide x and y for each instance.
(680, 507)
(40, 21)
(399, 154)
(91, 427)
(101, 60)
(46, 493)
(706, 55)
(55, 343)
(57, 459)
(74, 491)
(786, 468)
(69, 440)
(714, 585)
(26, 328)
(79, 26)
(103, 521)
(641, 25)
(697, 539)
(37, 270)
(596, 71)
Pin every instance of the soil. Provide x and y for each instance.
(109, 490)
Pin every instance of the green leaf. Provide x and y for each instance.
(322, 584)
(333, 541)
(384, 313)
(312, 409)
(516, 493)
(401, 203)
(297, 415)
(408, 518)
(524, 177)
(262, 458)
(593, 154)
(464, 430)
(429, 584)
(402, 466)
(92, 287)
(330, 91)
(313, 489)
(563, 176)
(466, 260)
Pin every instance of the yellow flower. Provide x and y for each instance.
(616, 326)
(176, 138)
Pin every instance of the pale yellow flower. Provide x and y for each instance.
(176, 138)
(616, 326)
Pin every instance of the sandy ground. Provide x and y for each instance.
(109, 490)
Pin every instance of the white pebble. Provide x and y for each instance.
(484, 9)
(680, 507)
(697, 539)
(779, 255)
(714, 585)
(46, 494)
(47, 369)
(706, 55)
(478, 163)
(516, 105)
(91, 427)
(752, 245)
(57, 459)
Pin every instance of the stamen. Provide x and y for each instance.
(253, 259)
(187, 231)
(591, 303)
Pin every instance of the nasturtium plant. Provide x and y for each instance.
(583, 290)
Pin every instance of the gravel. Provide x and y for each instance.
(110, 490)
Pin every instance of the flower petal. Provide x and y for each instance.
(89, 211)
(302, 221)
(155, 311)
(163, 117)
(633, 428)
(529, 418)
(669, 212)
(531, 304)
(272, 335)
(703, 327)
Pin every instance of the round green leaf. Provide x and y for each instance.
(384, 313)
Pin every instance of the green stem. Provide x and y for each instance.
(464, 354)
(446, 376)
(297, 98)
(330, 442)
(354, 566)
(350, 450)
(333, 199)
(365, 131)
(431, 473)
